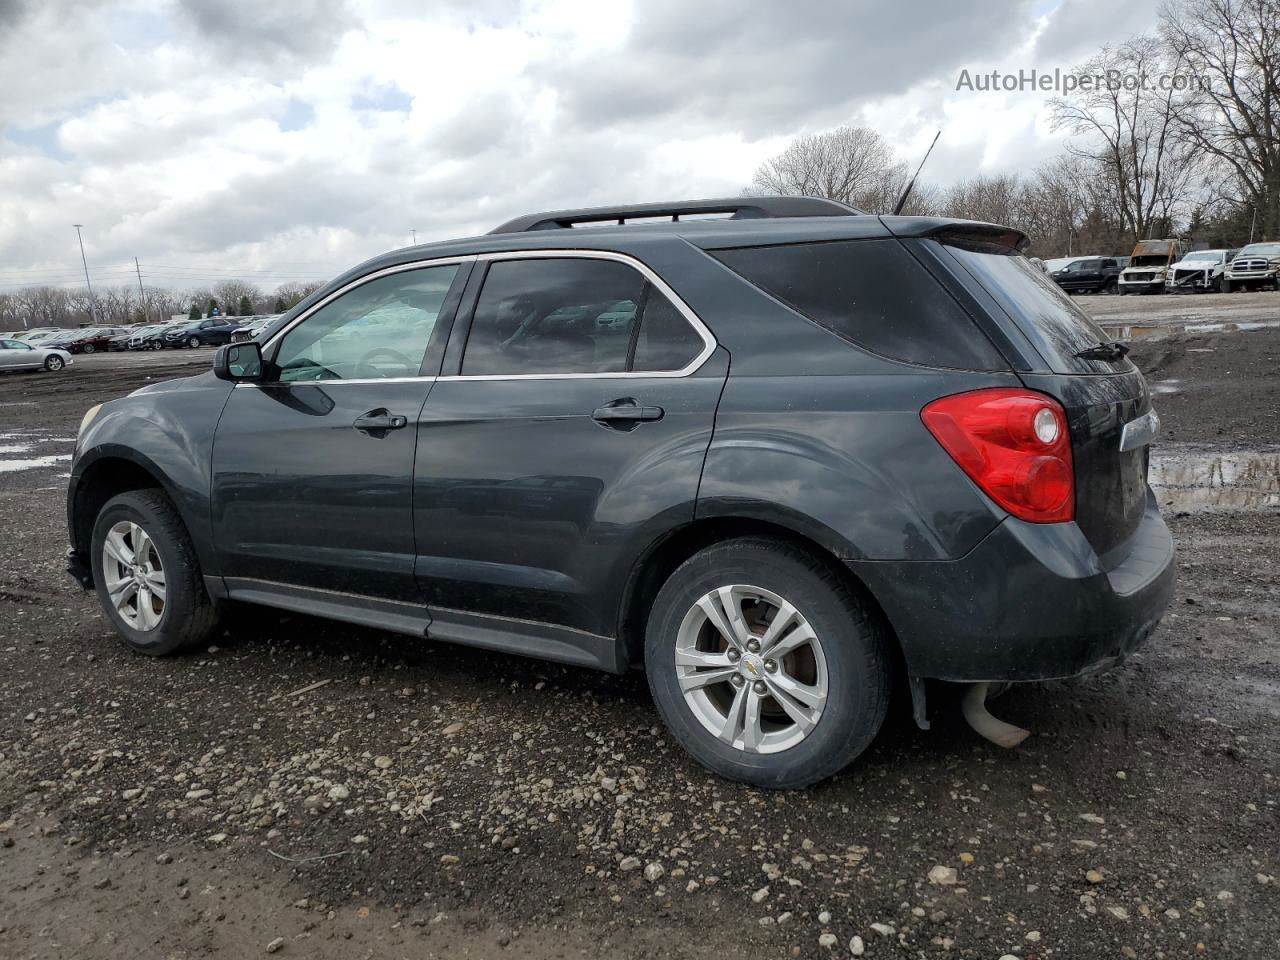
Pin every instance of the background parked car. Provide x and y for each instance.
(1257, 265)
(35, 332)
(1093, 275)
(150, 337)
(250, 327)
(1198, 271)
(90, 339)
(1149, 265)
(20, 355)
(201, 333)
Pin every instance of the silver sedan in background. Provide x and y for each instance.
(17, 355)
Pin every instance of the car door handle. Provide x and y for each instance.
(379, 420)
(626, 411)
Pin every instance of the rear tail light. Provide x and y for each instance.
(1014, 445)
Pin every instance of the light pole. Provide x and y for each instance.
(414, 234)
(93, 317)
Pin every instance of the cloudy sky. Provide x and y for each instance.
(289, 140)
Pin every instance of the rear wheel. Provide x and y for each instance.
(146, 575)
(53, 363)
(765, 665)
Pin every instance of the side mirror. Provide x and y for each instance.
(238, 362)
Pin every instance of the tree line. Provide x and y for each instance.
(48, 306)
(1142, 159)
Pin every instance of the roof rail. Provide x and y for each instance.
(739, 208)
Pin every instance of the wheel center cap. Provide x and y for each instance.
(752, 666)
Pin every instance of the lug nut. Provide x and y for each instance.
(771, 666)
(760, 688)
(753, 646)
(737, 680)
(733, 655)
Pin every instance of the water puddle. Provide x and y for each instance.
(1162, 388)
(1138, 331)
(18, 452)
(32, 463)
(1242, 480)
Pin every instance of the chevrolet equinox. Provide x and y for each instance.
(779, 453)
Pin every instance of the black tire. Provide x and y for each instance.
(1225, 285)
(189, 618)
(88, 348)
(193, 342)
(854, 646)
(1110, 287)
(53, 363)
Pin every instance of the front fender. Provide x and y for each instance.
(166, 432)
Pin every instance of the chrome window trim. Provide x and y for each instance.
(709, 343)
(359, 282)
(330, 383)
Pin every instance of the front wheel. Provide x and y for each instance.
(53, 363)
(89, 348)
(193, 342)
(766, 665)
(147, 577)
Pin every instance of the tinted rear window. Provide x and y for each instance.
(872, 293)
(1045, 314)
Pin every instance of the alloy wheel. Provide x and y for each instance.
(751, 669)
(54, 363)
(133, 575)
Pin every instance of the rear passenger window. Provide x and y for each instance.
(872, 293)
(553, 315)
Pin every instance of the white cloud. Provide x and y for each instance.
(302, 137)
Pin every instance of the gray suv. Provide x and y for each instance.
(783, 456)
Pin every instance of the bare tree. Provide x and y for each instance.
(850, 164)
(992, 198)
(292, 293)
(1235, 117)
(229, 293)
(1127, 130)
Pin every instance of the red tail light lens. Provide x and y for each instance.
(1014, 445)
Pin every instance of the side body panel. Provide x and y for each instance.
(300, 496)
(526, 508)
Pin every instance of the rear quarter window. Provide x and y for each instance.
(872, 293)
(1043, 312)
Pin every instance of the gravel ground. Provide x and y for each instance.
(322, 791)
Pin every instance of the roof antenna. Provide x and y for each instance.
(902, 200)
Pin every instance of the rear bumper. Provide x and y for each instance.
(1031, 602)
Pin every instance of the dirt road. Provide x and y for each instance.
(355, 794)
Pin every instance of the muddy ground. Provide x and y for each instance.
(333, 792)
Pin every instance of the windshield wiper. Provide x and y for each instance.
(1104, 351)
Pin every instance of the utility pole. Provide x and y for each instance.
(142, 295)
(93, 313)
(414, 234)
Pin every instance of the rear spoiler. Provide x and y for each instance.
(957, 231)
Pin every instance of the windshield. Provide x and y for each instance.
(1260, 250)
(1214, 255)
(1043, 312)
(1153, 261)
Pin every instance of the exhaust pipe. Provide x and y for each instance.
(984, 724)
